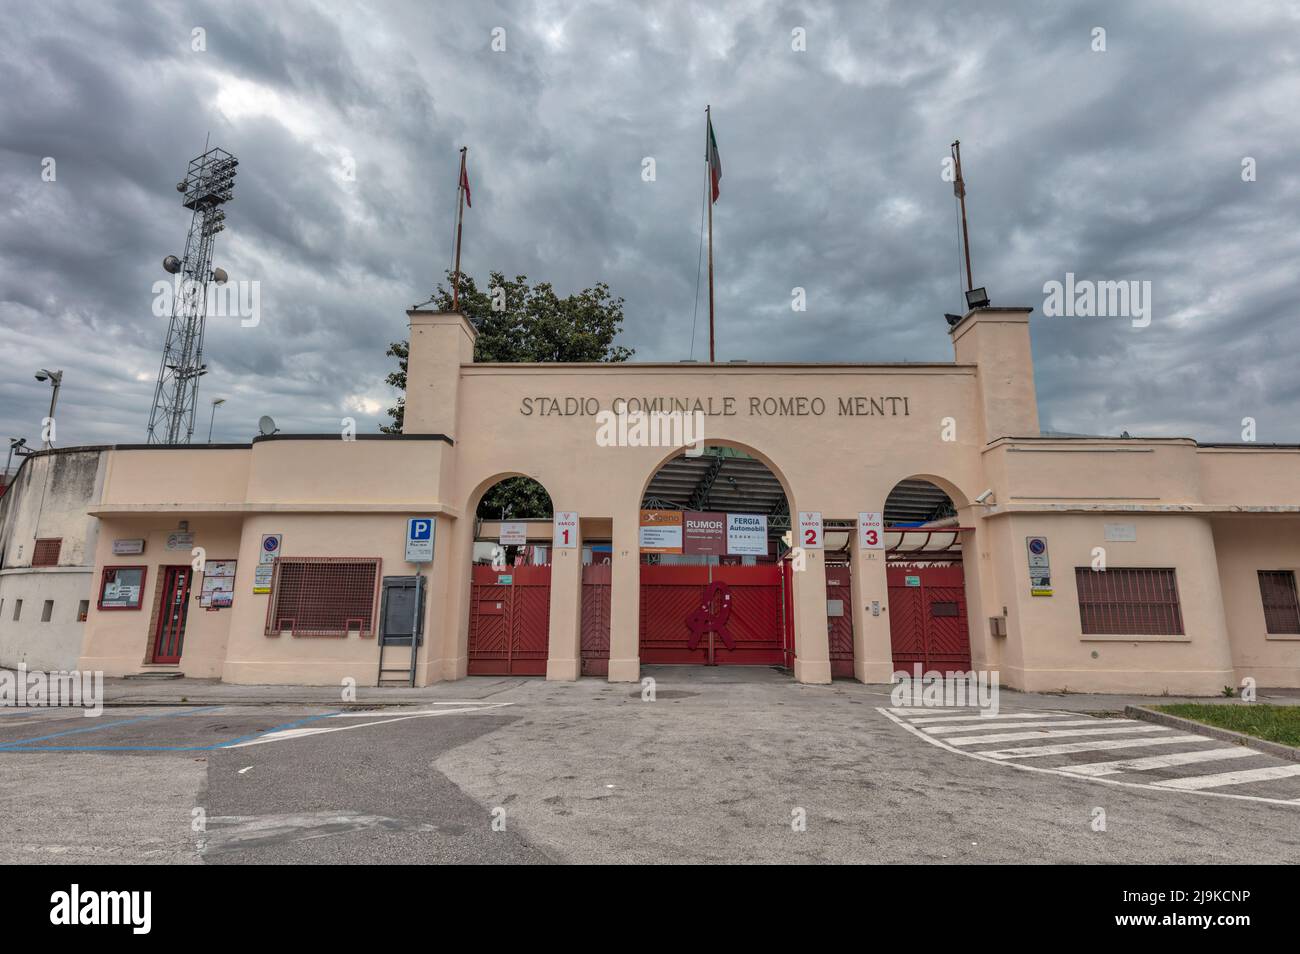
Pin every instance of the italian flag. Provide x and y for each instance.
(715, 162)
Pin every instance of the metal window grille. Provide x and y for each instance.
(323, 596)
(1277, 590)
(46, 552)
(1128, 601)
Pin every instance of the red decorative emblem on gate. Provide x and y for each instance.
(711, 618)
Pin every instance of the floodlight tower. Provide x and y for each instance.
(208, 185)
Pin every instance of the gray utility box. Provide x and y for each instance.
(397, 610)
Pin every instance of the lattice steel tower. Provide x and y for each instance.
(208, 185)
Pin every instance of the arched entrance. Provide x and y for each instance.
(510, 580)
(928, 624)
(712, 579)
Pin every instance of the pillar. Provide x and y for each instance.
(564, 650)
(625, 599)
(811, 642)
(873, 651)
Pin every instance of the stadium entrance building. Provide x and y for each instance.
(841, 520)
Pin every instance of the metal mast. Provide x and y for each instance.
(207, 186)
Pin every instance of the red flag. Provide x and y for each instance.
(715, 163)
(464, 183)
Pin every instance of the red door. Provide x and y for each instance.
(170, 637)
(509, 620)
(671, 595)
(839, 628)
(927, 618)
(595, 619)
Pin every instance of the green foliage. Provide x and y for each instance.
(1272, 723)
(529, 323)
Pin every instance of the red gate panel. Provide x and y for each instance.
(927, 623)
(839, 629)
(595, 619)
(670, 594)
(509, 623)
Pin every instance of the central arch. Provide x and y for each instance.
(712, 584)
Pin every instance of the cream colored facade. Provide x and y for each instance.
(1217, 515)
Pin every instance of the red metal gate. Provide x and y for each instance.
(670, 595)
(509, 622)
(170, 636)
(927, 618)
(595, 619)
(839, 628)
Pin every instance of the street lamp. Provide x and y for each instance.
(56, 381)
(216, 402)
(15, 444)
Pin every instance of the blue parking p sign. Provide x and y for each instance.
(419, 540)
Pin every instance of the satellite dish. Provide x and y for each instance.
(171, 264)
(219, 276)
(266, 425)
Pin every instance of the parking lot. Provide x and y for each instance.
(723, 765)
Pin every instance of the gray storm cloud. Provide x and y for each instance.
(1120, 165)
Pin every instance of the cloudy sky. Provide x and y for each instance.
(1122, 164)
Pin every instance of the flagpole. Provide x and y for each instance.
(961, 195)
(708, 171)
(460, 219)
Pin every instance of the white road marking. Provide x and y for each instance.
(286, 734)
(1054, 734)
(992, 718)
(1066, 748)
(1118, 783)
(996, 724)
(1168, 760)
(1198, 782)
(247, 768)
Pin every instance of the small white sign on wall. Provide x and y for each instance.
(810, 530)
(566, 529)
(513, 534)
(871, 530)
(1121, 533)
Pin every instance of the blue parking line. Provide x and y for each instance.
(105, 725)
(23, 745)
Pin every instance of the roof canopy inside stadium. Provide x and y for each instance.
(729, 480)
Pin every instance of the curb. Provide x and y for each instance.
(1290, 753)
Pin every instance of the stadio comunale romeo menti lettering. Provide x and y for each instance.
(852, 406)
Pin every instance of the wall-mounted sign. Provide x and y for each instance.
(566, 529)
(270, 549)
(262, 574)
(218, 584)
(661, 531)
(419, 540)
(1121, 532)
(180, 541)
(121, 588)
(1040, 566)
(513, 534)
(912, 580)
(871, 530)
(704, 532)
(810, 530)
(128, 547)
(505, 580)
(747, 534)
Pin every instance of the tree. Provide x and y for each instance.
(517, 321)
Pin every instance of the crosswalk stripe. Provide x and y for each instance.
(1198, 782)
(931, 711)
(1168, 760)
(1068, 748)
(992, 718)
(1057, 734)
(997, 724)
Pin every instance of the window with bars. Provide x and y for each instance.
(46, 551)
(323, 596)
(1277, 590)
(1128, 601)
